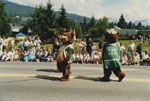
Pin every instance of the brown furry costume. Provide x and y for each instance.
(63, 60)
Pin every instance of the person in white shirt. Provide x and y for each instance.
(122, 49)
(26, 44)
(124, 59)
(145, 57)
(38, 43)
(136, 59)
(131, 46)
(79, 58)
(4, 55)
(95, 58)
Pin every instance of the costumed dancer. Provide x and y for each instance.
(65, 54)
(111, 56)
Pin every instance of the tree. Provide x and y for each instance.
(99, 29)
(130, 25)
(44, 22)
(122, 23)
(84, 26)
(5, 27)
(63, 22)
(92, 22)
(140, 28)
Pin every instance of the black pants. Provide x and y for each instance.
(116, 71)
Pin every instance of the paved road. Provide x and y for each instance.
(37, 82)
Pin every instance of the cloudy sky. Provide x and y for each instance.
(131, 9)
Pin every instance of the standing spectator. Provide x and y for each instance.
(26, 44)
(83, 46)
(4, 43)
(93, 49)
(79, 47)
(21, 45)
(122, 49)
(89, 46)
(10, 45)
(38, 43)
(129, 56)
(139, 49)
(101, 44)
(131, 46)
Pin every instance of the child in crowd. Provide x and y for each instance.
(96, 58)
(86, 57)
(124, 59)
(136, 59)
(111, 54)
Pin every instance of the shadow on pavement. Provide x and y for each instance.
(96, 79)
(46, 70)
(46, 77)
(14, 81)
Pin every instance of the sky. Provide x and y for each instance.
(131, 9)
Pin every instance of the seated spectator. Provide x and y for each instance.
(49, 57)
(4, 55)
(79, 58)
(16, 55)
(136, 59)
(124, 59)
(43, 57)
(86, 57)
(145, 57)
(91, 60)
(95, 58)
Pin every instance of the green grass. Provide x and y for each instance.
(125, 43)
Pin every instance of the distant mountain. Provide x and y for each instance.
(14, 9)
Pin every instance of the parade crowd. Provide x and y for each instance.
(85, 51)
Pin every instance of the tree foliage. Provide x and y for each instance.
(122, 23)
(5, 27)
(44, 22)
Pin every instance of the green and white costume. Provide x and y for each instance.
(66, 49)
(111, 54)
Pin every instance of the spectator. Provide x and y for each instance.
(83, 46)
(26, 44)
(96, 58)
(122, 49)
(136, 59)
(124, 59)
(86, 58)
(131, 46)
(89, 46)
(139, 49)
(101, 44)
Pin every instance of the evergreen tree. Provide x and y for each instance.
(140, 28)
(122, 23)
(84, 26)
(63, 22)
(130, 25)
(4, 21)
(44, 22)
(92, 22)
